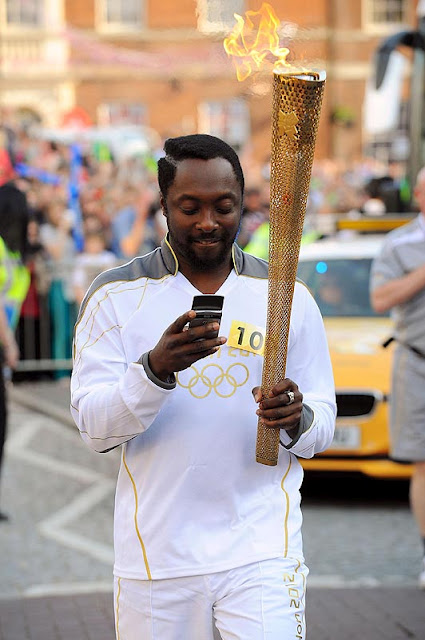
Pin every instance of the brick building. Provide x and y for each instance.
(161, 63)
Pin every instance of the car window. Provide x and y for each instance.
(339, 286)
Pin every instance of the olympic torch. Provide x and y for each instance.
(297, 99)
(295, 116)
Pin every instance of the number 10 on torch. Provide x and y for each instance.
(297, 99)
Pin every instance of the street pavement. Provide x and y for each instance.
(56, 551)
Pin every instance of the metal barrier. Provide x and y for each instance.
(45, 364)
(36, 341)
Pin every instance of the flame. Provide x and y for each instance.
(250, 45)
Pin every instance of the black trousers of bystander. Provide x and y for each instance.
(3, 421)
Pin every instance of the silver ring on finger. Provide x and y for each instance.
(291, 397)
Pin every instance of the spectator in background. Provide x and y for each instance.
(14, 282)
(95, 203)
(92, 223)
(56, 237)
(253, 215)
(258, 244)
(49, 157)
(147, 230)
(6, 168)
(14, 217)
(39, 197)
(373, 204)
(34, 323)
(9, 356)
(90, 263)
(134, 229)
(123, 218)
(398, 283)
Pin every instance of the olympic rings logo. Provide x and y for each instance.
(212, 377)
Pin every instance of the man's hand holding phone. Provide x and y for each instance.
(194, 335)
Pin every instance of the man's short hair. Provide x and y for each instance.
(200, 146)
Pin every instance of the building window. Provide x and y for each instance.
(26, 13)
(226, 119)
(122, 113)
(124, 13)
(392, 146)
(217, 15)
(381, 13)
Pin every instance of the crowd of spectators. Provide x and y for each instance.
(89, 214)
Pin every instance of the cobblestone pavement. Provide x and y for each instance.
(56, 551)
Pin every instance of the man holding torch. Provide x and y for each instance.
(205, 536)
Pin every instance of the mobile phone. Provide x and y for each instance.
(208, 309)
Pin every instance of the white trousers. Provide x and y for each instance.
(260, 601)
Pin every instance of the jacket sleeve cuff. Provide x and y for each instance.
(169, 384)
(307, 417)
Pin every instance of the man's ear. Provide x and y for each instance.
(163, 205)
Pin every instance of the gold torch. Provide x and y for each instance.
(297, 99)
(295, 116)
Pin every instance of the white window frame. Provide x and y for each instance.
(205, 120)
(208, 24)
(372, 26)
(22, 26)
(105, 25)
(104, 115)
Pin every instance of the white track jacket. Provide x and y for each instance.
(191, 498)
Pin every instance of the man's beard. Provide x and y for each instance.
(205, 263)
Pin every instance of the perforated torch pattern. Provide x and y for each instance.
(295, 118)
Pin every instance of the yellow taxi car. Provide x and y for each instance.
(336, 270)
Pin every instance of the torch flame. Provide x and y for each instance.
(250, 45)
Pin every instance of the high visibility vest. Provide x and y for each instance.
(14, 283)
(259, 242)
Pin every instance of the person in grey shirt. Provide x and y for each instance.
(398, 284)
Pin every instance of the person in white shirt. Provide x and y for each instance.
(207, 541)
(93, 260)
(397, 283)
